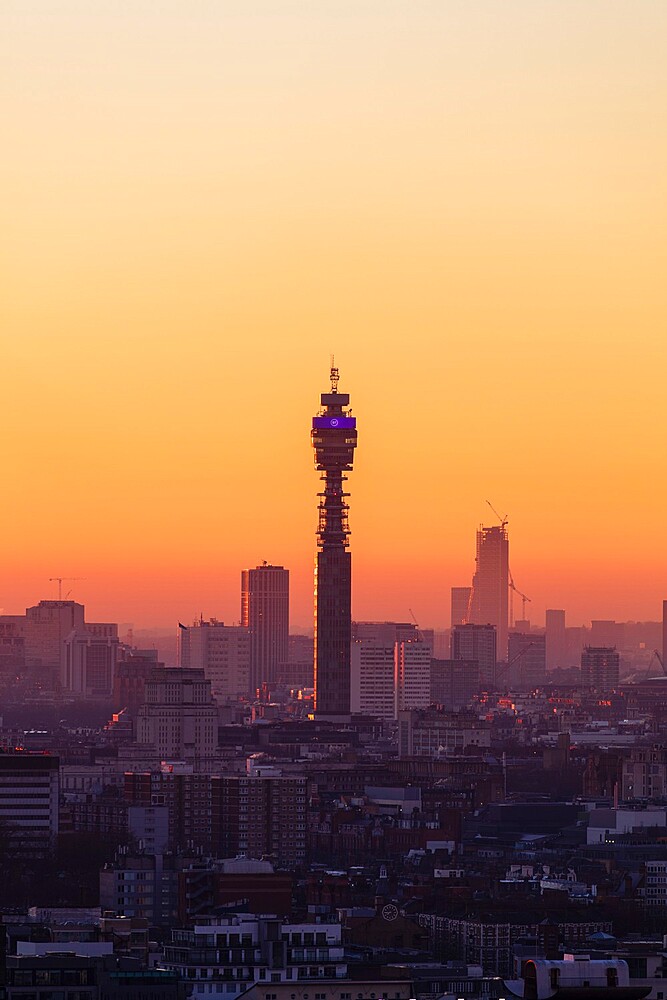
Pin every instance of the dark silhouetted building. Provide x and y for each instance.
(477, 642)
(526, 660)
(556, 650)
(334, 438)
(29, 800)
(265, 611)
(599, 668)
(460, 604)
(490, 604)
(454, 682)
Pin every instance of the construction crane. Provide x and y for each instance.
(59, 581)
(506, 667)
(656, 655)
(420, 637)
(503, 520)
(515, 590)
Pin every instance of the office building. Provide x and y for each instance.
(490, 586)
(600, 668)
(179, 717)
(556, 639)
(98, 976)
(184, 793)
(297, 672)
(372, 690)
(644, 774)
(224, 653)
(454, 682)
(478, 643)
(412, 673)
(432, 733)
(334, 438)
(29, 801)
(130, 678)
(90, 664)
(264, 950)
(460, 605)
(265, 611)
(606, 632)
(526, 660)
(384, 633)
(38, 639)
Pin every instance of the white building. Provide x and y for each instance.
(655, 884)
(604, 824)
(223, 652)
(244, 949)
(372, 683)
(543, 977)
(412, 675)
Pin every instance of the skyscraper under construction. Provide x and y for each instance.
(490, 585)
(334, 437)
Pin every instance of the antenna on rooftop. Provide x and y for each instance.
(334, 375)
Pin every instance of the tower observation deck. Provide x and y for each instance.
(334, 438)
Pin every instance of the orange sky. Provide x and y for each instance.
(465, 202)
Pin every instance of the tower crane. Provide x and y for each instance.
(59, 580)
(660, 660)
(420, 637)
(515, 590)
(512, 586)
(517, 656)
(503, 520)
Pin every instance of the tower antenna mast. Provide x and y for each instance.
(334, 438)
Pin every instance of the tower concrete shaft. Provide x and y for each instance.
(334, 438)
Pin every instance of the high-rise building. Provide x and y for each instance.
(556, 639)
(460, 605)
(454, 682)
(664, 631)
(179, 717)
(412, 662)
(90, 664)
(223, 652)
(490, 585)
(526, 660)
(372, 679)
(259, 816)
(334, 438)
(600, 668)
(29, 800)
(606, 632)
(265, 611)
(477, 642)
(39, 639)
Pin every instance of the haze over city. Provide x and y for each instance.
(464, 203)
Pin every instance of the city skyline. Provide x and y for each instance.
(464, 204)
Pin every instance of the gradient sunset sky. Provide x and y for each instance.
(464, 200)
